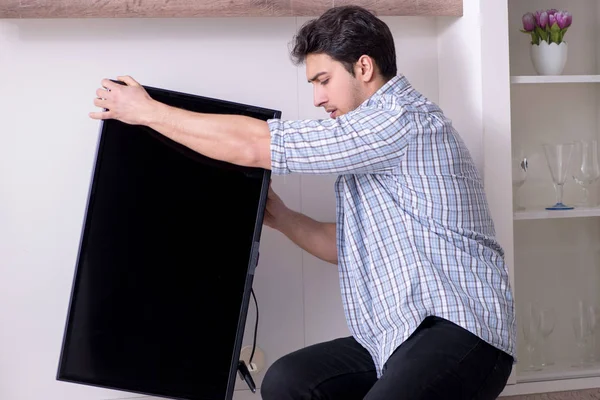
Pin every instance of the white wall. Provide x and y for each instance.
(50, 70)
(460, 76)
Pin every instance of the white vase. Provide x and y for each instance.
(549, 59)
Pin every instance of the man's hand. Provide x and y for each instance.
(318, 238)
(130, 104)
(275, 210)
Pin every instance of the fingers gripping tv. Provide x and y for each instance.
(165, 264)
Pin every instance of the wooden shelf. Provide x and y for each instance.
(577, 212)
(216, 8)
(522, 79)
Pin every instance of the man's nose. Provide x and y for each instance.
(319, 97)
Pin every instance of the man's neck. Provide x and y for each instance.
(375, 85)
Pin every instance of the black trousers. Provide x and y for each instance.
(440, 360)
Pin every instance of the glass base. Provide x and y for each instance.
(560, 206)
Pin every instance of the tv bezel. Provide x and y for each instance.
(235, 108)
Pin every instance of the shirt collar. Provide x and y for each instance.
(394, 85)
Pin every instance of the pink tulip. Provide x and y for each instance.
(528, 22)
(552, 11)
(567, 19)
(551, 19)
(541, 18)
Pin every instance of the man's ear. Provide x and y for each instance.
(364, 69)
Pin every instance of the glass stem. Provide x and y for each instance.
(559, 193)
(542, 351)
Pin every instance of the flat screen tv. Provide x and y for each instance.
(165, 264)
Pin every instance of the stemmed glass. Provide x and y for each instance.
(582, 331)
(585, 166)
(593, 321)
(547, 322)
(519, 174)
(558, 157)
(531, 330)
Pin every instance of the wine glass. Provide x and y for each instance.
(547, 322)
(531, 331)
(593, 322)
(582, 331)
(519, 174)
(558, 157)
(585, 166)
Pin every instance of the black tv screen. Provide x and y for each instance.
(165, 264)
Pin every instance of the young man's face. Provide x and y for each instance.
(334, 88)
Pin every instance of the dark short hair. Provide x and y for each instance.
(345, 33)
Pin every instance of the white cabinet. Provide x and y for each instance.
(554, 255)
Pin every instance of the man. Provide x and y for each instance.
(424, 285)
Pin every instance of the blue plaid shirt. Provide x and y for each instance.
(414, 234)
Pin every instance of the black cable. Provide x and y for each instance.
(255, 328)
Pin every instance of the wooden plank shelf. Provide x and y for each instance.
(216, 8)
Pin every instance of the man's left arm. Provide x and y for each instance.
(236, 139)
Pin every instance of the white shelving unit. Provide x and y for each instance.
(556, 253)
